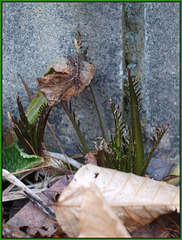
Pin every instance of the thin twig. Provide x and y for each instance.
(26, 88)
(55, 160)
(61, 157)
(100, 111)
(31, 195)
(37, 188)
(26, 170)
(4, 138)
(11, 186)
(30, 146)
(59, 145)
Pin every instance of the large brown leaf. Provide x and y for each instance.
(135, 200)
(65, 77)
(97, 217)
(33, 219)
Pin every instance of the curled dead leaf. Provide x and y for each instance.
(135, 200)
(33, 219)
(97, 217)
(65, 77)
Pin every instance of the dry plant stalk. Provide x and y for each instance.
(55, 158)
(28, 193)
(135, 200)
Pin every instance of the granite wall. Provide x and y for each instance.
(144, 36)
(152, 49)
(162, 73)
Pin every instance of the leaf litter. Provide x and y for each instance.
(135, 200)
(35, 221)
(101, 202)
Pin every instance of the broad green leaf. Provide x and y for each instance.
(33, 109)
(15, 160)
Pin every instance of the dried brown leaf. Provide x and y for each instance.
(90, 158)
(151, 230)
(159, 228)
(136, 200)
(12, 232)
(66, 77)
(33, 218)
(97, 217)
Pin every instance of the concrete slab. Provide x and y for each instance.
(34, 33)
(152, 41)
(162, 76)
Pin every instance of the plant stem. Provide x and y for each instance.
(99, 109)
(136, 128)
(84, 57)
(82, 139)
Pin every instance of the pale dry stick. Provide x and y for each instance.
(26, 173)
(59, 156)
(10, 120)
(46, 153)
(17, 195)
(37, 188)
(31, 195)
(26, 170)
(11, 186)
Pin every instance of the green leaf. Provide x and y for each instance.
(15, 160)
(32, 111)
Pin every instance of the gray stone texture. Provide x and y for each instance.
(162, 76)
(36, 33)
(152, 50)
(144, 36)
(158, 168)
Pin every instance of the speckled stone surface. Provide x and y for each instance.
(35, 33)
(162, 77)
(158, 168)
(152, 42)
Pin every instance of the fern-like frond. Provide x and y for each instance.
(134, 93)
(155, 140)
(120, 145)
(29, 135)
